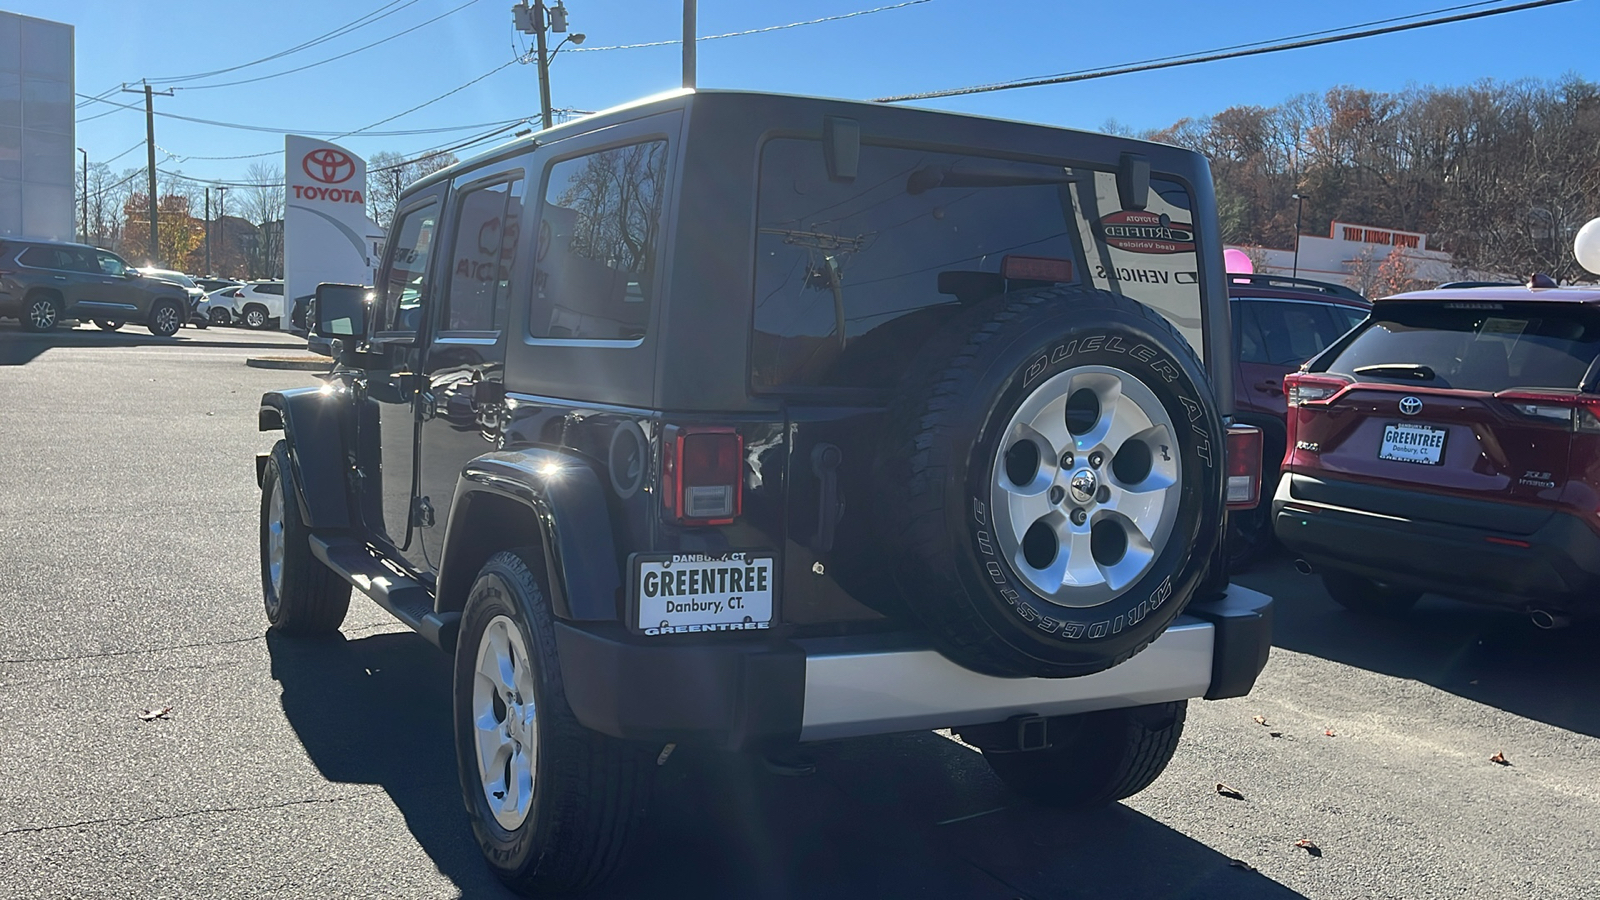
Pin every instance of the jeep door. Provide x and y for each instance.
(386, 398)
(463, 373)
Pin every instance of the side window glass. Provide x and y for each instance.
(488, 226)
(403, 283)
(40, 258)
(596, 250)
(1252, 346)
(110, 265)
(84, 261)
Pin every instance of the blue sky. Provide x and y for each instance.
(931, 45)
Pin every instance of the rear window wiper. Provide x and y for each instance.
(1397, 370)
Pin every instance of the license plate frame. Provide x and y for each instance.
(695, 609)
(1415, 453)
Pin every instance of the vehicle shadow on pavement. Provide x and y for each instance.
(18, 348)
(905, 815)
(1486, 655)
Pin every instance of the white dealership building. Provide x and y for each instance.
(36, 128)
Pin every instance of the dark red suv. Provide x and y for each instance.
(1278, 324)
(1451, 445)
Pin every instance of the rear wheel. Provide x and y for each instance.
(255, 316)
(42, 312)
(1363, 595)
(302, 595)
(108, 324)
(220, 317)
(166, 318)
(552, 803)
(1095, 758)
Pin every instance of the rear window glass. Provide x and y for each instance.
(1475, 346)
(853, 277)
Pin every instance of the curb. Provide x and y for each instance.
(301, 363)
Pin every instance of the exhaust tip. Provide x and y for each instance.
(1303, 567)
(1549, 621)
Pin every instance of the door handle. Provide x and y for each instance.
(825, 465)
(1270, 387)
(59, 277)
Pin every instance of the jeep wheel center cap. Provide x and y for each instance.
(1084, 484)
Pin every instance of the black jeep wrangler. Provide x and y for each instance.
(745, 420)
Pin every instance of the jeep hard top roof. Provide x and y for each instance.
(1582, 293)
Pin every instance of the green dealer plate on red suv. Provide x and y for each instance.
(690, 593)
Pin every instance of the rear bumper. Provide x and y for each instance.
(742, 696)
(1558, 570)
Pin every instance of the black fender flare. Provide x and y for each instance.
(566, 500)
(313, 424)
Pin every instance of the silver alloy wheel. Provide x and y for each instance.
(505, 722)
(168, 319)
(42, 314)
(1086, 485)
(255, 318)
(275, 542)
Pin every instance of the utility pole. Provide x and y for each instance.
(150, 158)
(85, 194)
(688, 43)
(208, 229)
(222, 205)
(537, 20)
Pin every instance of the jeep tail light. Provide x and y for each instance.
(702, 475)
(1300, 387)
(1244, 466)
(1580, 412)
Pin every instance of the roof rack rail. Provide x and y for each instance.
(1455, 285)
(1303, 284)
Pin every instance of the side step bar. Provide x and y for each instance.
(404, 598)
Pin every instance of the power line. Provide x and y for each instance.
(361, 22)
(1216, 55)
(307, 132)
(500, 68)
(322, 62)
(716, 37)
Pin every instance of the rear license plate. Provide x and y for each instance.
(701, 592)
(1422, 444)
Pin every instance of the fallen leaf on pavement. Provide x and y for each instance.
(1274, 734)
(1261, 720)
(1330, 733)
(1500, 758)
(1308, 847)
(1241, 864)
(1229, 792)
(150, 715)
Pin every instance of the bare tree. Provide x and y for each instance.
(262, 202)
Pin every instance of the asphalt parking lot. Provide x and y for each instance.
(129, 582)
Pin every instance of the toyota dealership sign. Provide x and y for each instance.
(326, 233)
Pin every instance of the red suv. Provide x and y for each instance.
(1278, 324)
(1451, 444)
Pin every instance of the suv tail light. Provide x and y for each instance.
(1301, 388)
(702, 475)
(1244, 466)
(1580, 412)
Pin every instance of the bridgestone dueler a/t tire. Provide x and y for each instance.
(589, 789)
(1104, 756)
(313, 600)
(936, 474)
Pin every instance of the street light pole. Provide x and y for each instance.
(85, 194)
(1299, 201)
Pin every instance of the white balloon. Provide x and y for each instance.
(1586, 246)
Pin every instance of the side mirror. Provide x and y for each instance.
(131, 273)
(340, 311)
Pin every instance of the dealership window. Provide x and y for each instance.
(598, 242)
(405, 282)
(488, 227)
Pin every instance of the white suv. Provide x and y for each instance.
(258, 304)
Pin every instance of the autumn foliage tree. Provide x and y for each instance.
(1501, 175)
(178, 231)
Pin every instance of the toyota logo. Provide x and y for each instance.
(328, 165)
(1410, 405)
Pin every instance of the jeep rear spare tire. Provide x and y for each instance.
(1053, 482)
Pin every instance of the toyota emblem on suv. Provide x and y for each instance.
(1410, 405)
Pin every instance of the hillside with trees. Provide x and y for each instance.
(1501, 175)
